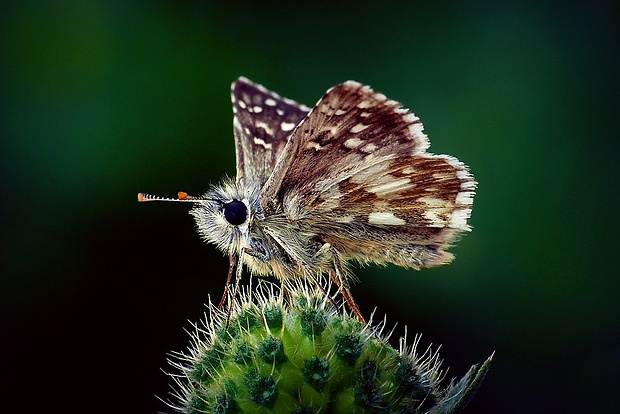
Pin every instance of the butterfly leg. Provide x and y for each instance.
(337, 275)
(238, 273)
(346, 294)
(235, 288)
(255, 254)
(233, 262)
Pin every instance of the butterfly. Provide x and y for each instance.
(349, 180)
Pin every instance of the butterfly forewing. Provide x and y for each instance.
(263, 121)
(361, 179)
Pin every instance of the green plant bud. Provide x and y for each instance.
(316, 372)
(273, 316)
(271, 350)
(303, 355)
(263, 390)
(348, 347)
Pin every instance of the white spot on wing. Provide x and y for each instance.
(390, 185)
(385, 218)
(369, 147)
(358, 128)
(433, 217)
(262, 143)
(287, 126)
(353, 142)
(265, 126)
(270, 102)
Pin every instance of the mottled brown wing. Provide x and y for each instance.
(356, 173)
(263, 122)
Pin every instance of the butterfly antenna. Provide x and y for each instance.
(181, 197)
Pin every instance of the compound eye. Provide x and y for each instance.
(235, 212)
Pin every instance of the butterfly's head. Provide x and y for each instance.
(222, 216)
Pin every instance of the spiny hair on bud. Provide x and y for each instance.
(291, 349)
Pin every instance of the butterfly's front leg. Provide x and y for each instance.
(239, 264)
(258, 257)
(232, 263)
(231, 266)
(263, 257)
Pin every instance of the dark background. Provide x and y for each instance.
(102, 99)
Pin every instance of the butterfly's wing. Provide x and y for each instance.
(263, 121)
(357, 175)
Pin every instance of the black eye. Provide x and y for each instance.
(235, 212)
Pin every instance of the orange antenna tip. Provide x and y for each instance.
(182, 195)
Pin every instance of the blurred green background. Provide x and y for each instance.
(102, 99)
